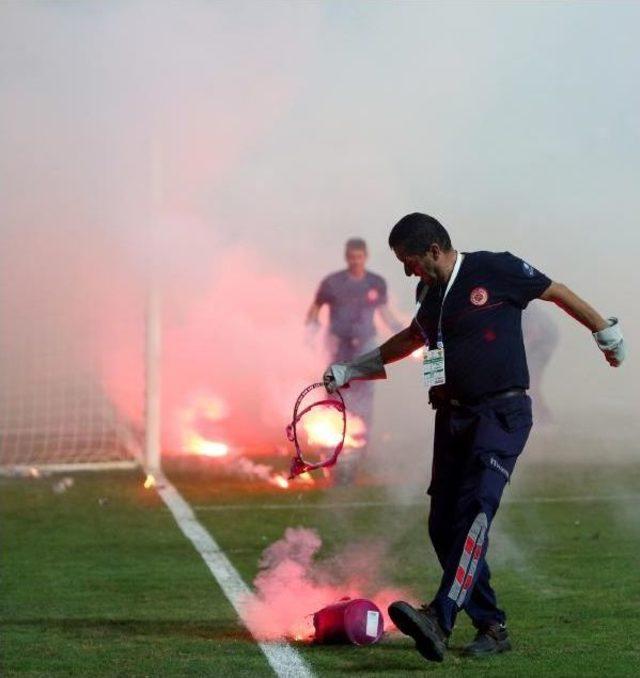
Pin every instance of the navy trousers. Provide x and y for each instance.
(475, 452)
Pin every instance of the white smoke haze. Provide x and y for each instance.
(206, 135)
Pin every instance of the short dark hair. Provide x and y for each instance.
(416, 232)
(355, 244)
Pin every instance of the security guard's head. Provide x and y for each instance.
(423, 246)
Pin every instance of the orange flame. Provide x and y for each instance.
(206, 407)
(324, 427)
(279, 481)
(194, 443)
(149, 482)
(204, 410)
(301, 633)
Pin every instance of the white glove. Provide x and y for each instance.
(611, 342)
(367, 366)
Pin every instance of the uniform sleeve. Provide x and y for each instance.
(323, 295)
(522, 281)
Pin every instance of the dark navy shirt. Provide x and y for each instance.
(481, 323)
(352, 303)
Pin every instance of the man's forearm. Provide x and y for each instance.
(312, 313)
(576, 307)
(401, 345)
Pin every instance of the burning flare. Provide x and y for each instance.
(324, 428)
(198, 426)
(203, 410)
(293, 584)
(149, 482)
(279, 481)
(194, 443)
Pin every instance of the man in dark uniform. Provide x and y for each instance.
(475, 369)
(354, 296)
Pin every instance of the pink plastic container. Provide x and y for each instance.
(357, 621)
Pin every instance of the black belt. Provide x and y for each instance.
(509, 393)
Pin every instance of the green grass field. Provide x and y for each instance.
(99, 581)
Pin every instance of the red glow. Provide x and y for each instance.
(201, 421)
(489, 335)
(211, 349)
(323, 427)
(305, 479)
(196, 444)
(279, 481)
(202, 413)
(292, 585)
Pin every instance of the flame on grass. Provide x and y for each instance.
(250, 470)
(203, 411)
(199, 423)
(194, 443)
(149, 481)
(279, 481)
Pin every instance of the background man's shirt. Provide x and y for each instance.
(352, 303)
(481, 323)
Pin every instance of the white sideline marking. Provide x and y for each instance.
(284, 659)
(584, 499)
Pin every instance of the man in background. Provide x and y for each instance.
(354, 296)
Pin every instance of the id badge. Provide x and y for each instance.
(433, 367)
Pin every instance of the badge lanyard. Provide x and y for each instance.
(452, 277)
(433, 362)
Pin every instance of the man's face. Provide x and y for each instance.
(356, 261)
(421, 265)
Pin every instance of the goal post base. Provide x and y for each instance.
(26, 470)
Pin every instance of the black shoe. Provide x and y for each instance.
(423, 626)
(490, 639)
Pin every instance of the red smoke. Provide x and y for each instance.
(239, 336)
(291, 586)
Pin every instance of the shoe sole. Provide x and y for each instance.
(412, 624)
(501, 646)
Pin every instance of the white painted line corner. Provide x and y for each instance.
(285, 660)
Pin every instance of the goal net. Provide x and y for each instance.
(72, 351)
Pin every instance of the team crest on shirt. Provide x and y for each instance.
(372, 295)
(479, 296)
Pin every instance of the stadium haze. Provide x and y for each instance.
(177, 178)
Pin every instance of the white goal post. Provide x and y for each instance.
(80, 330)
(79, 374)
